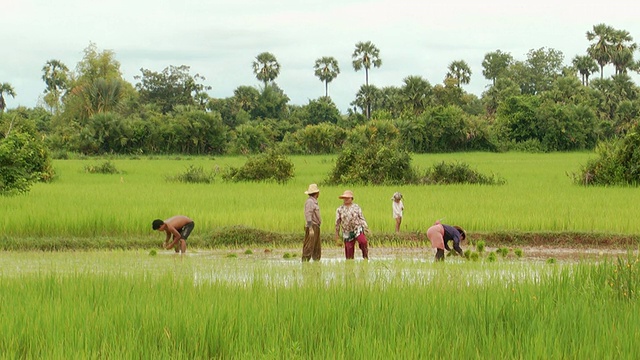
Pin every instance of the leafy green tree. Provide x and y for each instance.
(460, 71)
(365, 55)
(538, 72)
(602, 49)
(416, 93)
(266, 68)
(622, 53)
(246, 98)
(98, 65)
(326, 69)
(495, 64)
(585, 65)
(391, 100)
(272, 104)
(171, 87)
(5, 89)
(503, 89)
(55, 76)
(322, 110)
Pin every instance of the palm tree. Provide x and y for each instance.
(266, 67)
(365, 55)
(585, 66)
(5, 88)
(601, 50)
(415, 93)
(460, 71)
(326, 69)
(623, 49)
(55, 76)
(367, 96)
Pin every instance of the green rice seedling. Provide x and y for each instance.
(492, 257)
(232, 255)
(474, 256)
(193, 174)
(153, 252)
(287, 255)
(106, 167)
(467, 254)
(248, 252)
(503, 251)
(518, 253)
(480, 246)
(551, 260)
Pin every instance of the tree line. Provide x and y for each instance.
(541, 103)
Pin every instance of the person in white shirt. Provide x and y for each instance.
(398, 208)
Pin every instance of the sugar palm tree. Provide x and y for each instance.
(55, 76)
(364, 56)
(460, 71)
(602, 48)
(5, 88)
(326, 69)
(415, 93)
(266, 67)
(585, 66)
(623, 49)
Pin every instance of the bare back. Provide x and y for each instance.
(178, 221)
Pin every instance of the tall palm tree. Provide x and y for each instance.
(623, 49)
(5, 88)
(266, 67)
(460, 71)
(601, 50)
(55, 76)
(585, 66)
(326, 69)
(364, 56)
(366, 97)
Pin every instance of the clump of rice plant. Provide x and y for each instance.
(474, 256)
(503, 251)
(480, 246)
(248, 252)
(518, 253)
(193, 174)
(551, 260)
(492, 257)
(458, 173)
(232, 256)
(287, 255)
(467, 254)
(153, 252)
(106, 167)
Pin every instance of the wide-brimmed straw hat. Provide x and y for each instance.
(346, 194)
(313, 188)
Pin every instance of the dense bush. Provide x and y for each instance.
(106, 167)
(270, 166)
(457, 173)
(23, 160)
(373, 155)
(618, 163)
(193, 174)
(324, 138)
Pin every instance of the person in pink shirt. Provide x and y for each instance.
(349, 218)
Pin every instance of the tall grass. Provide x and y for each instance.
(538, 196)
(161, 307)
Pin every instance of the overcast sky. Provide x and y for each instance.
(220, 39)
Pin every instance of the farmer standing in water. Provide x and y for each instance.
(439, 234)
(180, 227)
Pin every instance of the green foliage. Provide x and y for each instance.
(373, 155)
(24, 159)
(503, 251)
(518, 253)
(457, 173)
(153, 252)
(624, 279)
(171, 87)
(474, 256)
(270, 166)
(480, 246)
(551, 261)
(491, 257)
(618, 163)
(106, 167)
(324, 138)
(194, 175)
(248, 252)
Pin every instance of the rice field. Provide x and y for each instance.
(538, 196)
(129, 305)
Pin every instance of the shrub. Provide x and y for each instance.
(106, 167)
(373, 155)
(195, 175)
(457, 173)
(23, 161)
(618, 163)
(271, 166)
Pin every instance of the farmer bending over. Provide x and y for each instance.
(180, 227)
(440, 234)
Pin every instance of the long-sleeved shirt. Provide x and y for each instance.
(451, 233)
(312, 212)
(351, 220)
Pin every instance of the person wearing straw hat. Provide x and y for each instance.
(398, 208)
(440, 234)
(349, 217)
(311, 248)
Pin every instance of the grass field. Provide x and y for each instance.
(129, 305)
(538, 197)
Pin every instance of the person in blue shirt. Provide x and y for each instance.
(440, 234)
